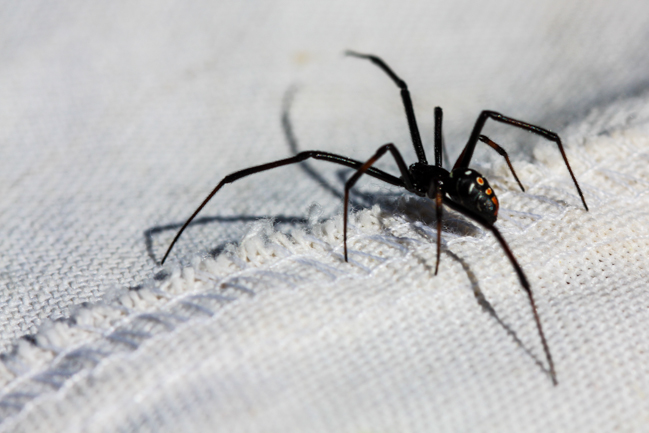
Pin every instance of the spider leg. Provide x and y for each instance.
(465, 157)
(519, 271)
(436, 185)
(365, 168)
(439, 137)
(407, 102)
(315, 154)
(439, 196)
(502, 153)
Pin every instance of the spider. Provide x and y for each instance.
(462, 189)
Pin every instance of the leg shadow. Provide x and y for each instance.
(278, 219)
(357, 199)
(482, 301)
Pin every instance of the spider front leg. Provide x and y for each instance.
(502, 153)
(440, 147)
(465, 157)
(405, 177)
(519, 271)
(315, 154)
(439, 198)
(405, 97)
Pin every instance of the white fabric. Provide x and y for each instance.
(118, 118)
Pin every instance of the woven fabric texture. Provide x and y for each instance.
(118, 118)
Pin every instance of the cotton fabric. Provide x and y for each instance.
(118, 119)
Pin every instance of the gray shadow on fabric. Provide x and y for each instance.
(150, 233)
(357, 198)
(291, 140)
(482, 301)
(600, 100)
(486, 306)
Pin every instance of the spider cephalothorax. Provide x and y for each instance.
(462, 189)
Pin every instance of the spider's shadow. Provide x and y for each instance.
(486, 305)
(482, 300)
(358, 199)
(150, 233)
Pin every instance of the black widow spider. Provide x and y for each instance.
(462, 189)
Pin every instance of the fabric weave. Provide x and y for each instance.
(119, 118)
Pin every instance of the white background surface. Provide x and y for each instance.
(119, 118)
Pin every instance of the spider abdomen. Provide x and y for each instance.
(470, 189)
